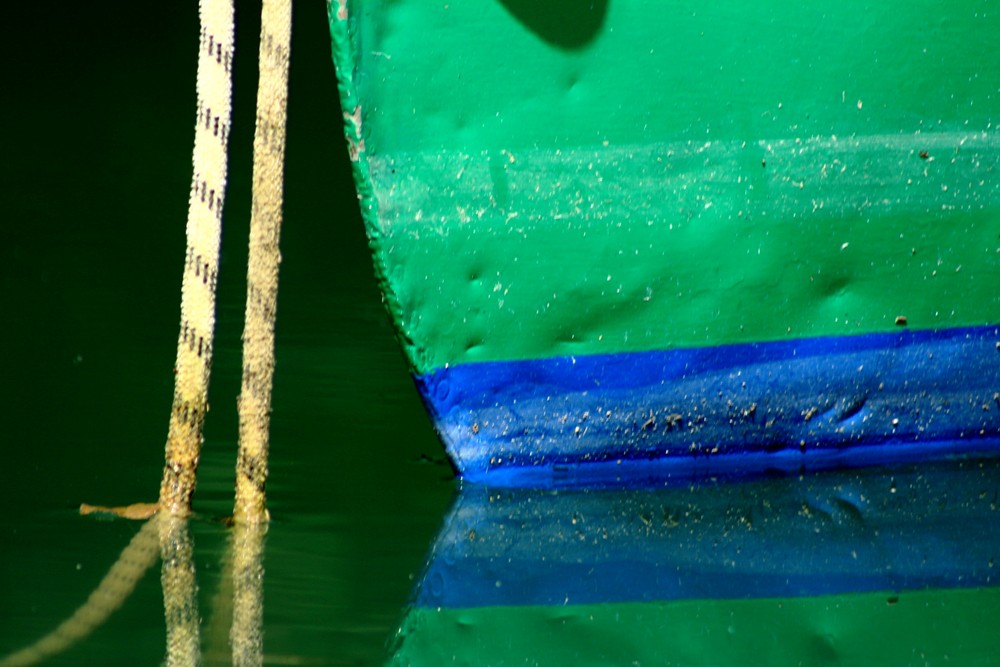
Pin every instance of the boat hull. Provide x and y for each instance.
(622, 240)
(734, 410)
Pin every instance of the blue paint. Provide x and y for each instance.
(851, 531)
(737, 409)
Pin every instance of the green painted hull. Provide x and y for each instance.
(629, 240)
(545, 181)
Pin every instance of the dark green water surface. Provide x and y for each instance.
(99, 112)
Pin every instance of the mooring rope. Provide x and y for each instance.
(165, 533)
(201, 265)
(262, 271)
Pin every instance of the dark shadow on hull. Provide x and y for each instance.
(566, 24)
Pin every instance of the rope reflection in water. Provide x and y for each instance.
(239, 600)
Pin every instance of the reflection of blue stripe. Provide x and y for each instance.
(738, 408)
(893, 530)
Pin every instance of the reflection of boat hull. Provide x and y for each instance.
(858, 565)
(757, 257)
(946, 627)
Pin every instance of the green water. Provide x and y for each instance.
(95, 176)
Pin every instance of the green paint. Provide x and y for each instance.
(470, 75)
(673, 175)
(631, 249)
(915, 628)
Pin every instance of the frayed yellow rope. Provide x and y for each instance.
(262, 272)
(201, 265)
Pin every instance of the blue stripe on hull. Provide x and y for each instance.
(740, 409)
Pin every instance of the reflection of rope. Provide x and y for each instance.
(262, 273)
(165, 536)
(116, 586)
(233, 631)
(248, 593)
(180, 592)
(204, 229)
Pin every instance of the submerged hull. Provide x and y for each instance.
(627, 239)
